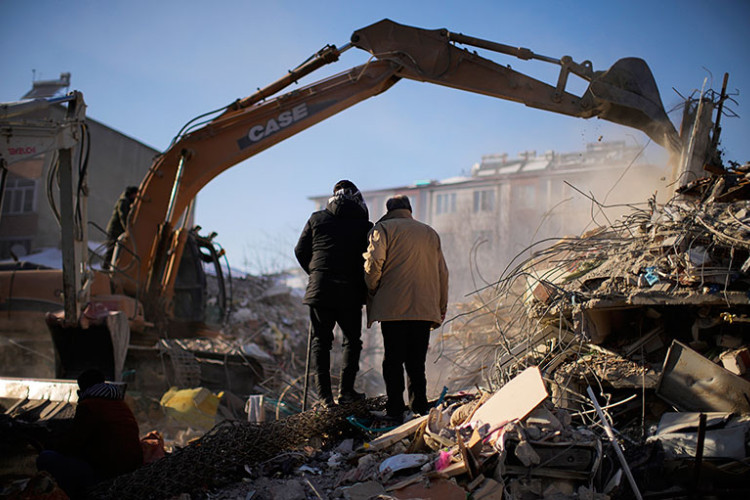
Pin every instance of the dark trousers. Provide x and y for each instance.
(406, 344)
(109, 253)
(72, 474)
(322, 322)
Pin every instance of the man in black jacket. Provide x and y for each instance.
(330, 251)
(118, 221)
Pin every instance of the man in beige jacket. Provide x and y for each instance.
(407, 281)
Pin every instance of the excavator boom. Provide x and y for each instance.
(625, 94)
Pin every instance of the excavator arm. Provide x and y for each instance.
(625, 94)
(153, 243)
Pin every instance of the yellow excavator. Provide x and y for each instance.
(152, 287)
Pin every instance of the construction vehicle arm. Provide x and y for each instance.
(28, 129)
(625, 94)
(24, 136)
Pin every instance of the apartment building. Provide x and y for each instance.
(508, 207)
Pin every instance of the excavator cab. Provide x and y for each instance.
(195, 302)
(197, 307)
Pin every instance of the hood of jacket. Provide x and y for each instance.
(103, 391)
(348, 204)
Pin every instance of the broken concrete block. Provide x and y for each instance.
(736, 361)
(363, 491)
(526, 454)
(540, 291)
(335, 460)
(533, 433)
(488, 490)
(585, 493)
(543, 418)
(559, 488)
(346, 446)
(437, 488)
(289, 490)
(728, 341)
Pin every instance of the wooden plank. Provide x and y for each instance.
(394, 436)
(455, 469)
(468, 458)
(513, 401)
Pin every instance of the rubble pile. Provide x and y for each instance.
(653, 313)
(224, 454)
(513, 443)
(267, 328)
(614, 365)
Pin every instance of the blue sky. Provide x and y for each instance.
(147, 67)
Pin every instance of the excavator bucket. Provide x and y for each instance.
(627, 94)
(78, 349)
(100, 340)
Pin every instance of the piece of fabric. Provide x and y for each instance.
(405, 271)
(330, 251)
(405, 344)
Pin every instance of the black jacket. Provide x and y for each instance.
(330, 250)
(119, 218)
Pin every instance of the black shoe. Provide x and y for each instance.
(394, 419)
(349, 397)
(326, 403)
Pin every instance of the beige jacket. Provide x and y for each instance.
(405, 271)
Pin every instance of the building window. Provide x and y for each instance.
(19, 196)
(445, 203)
(484, 201)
